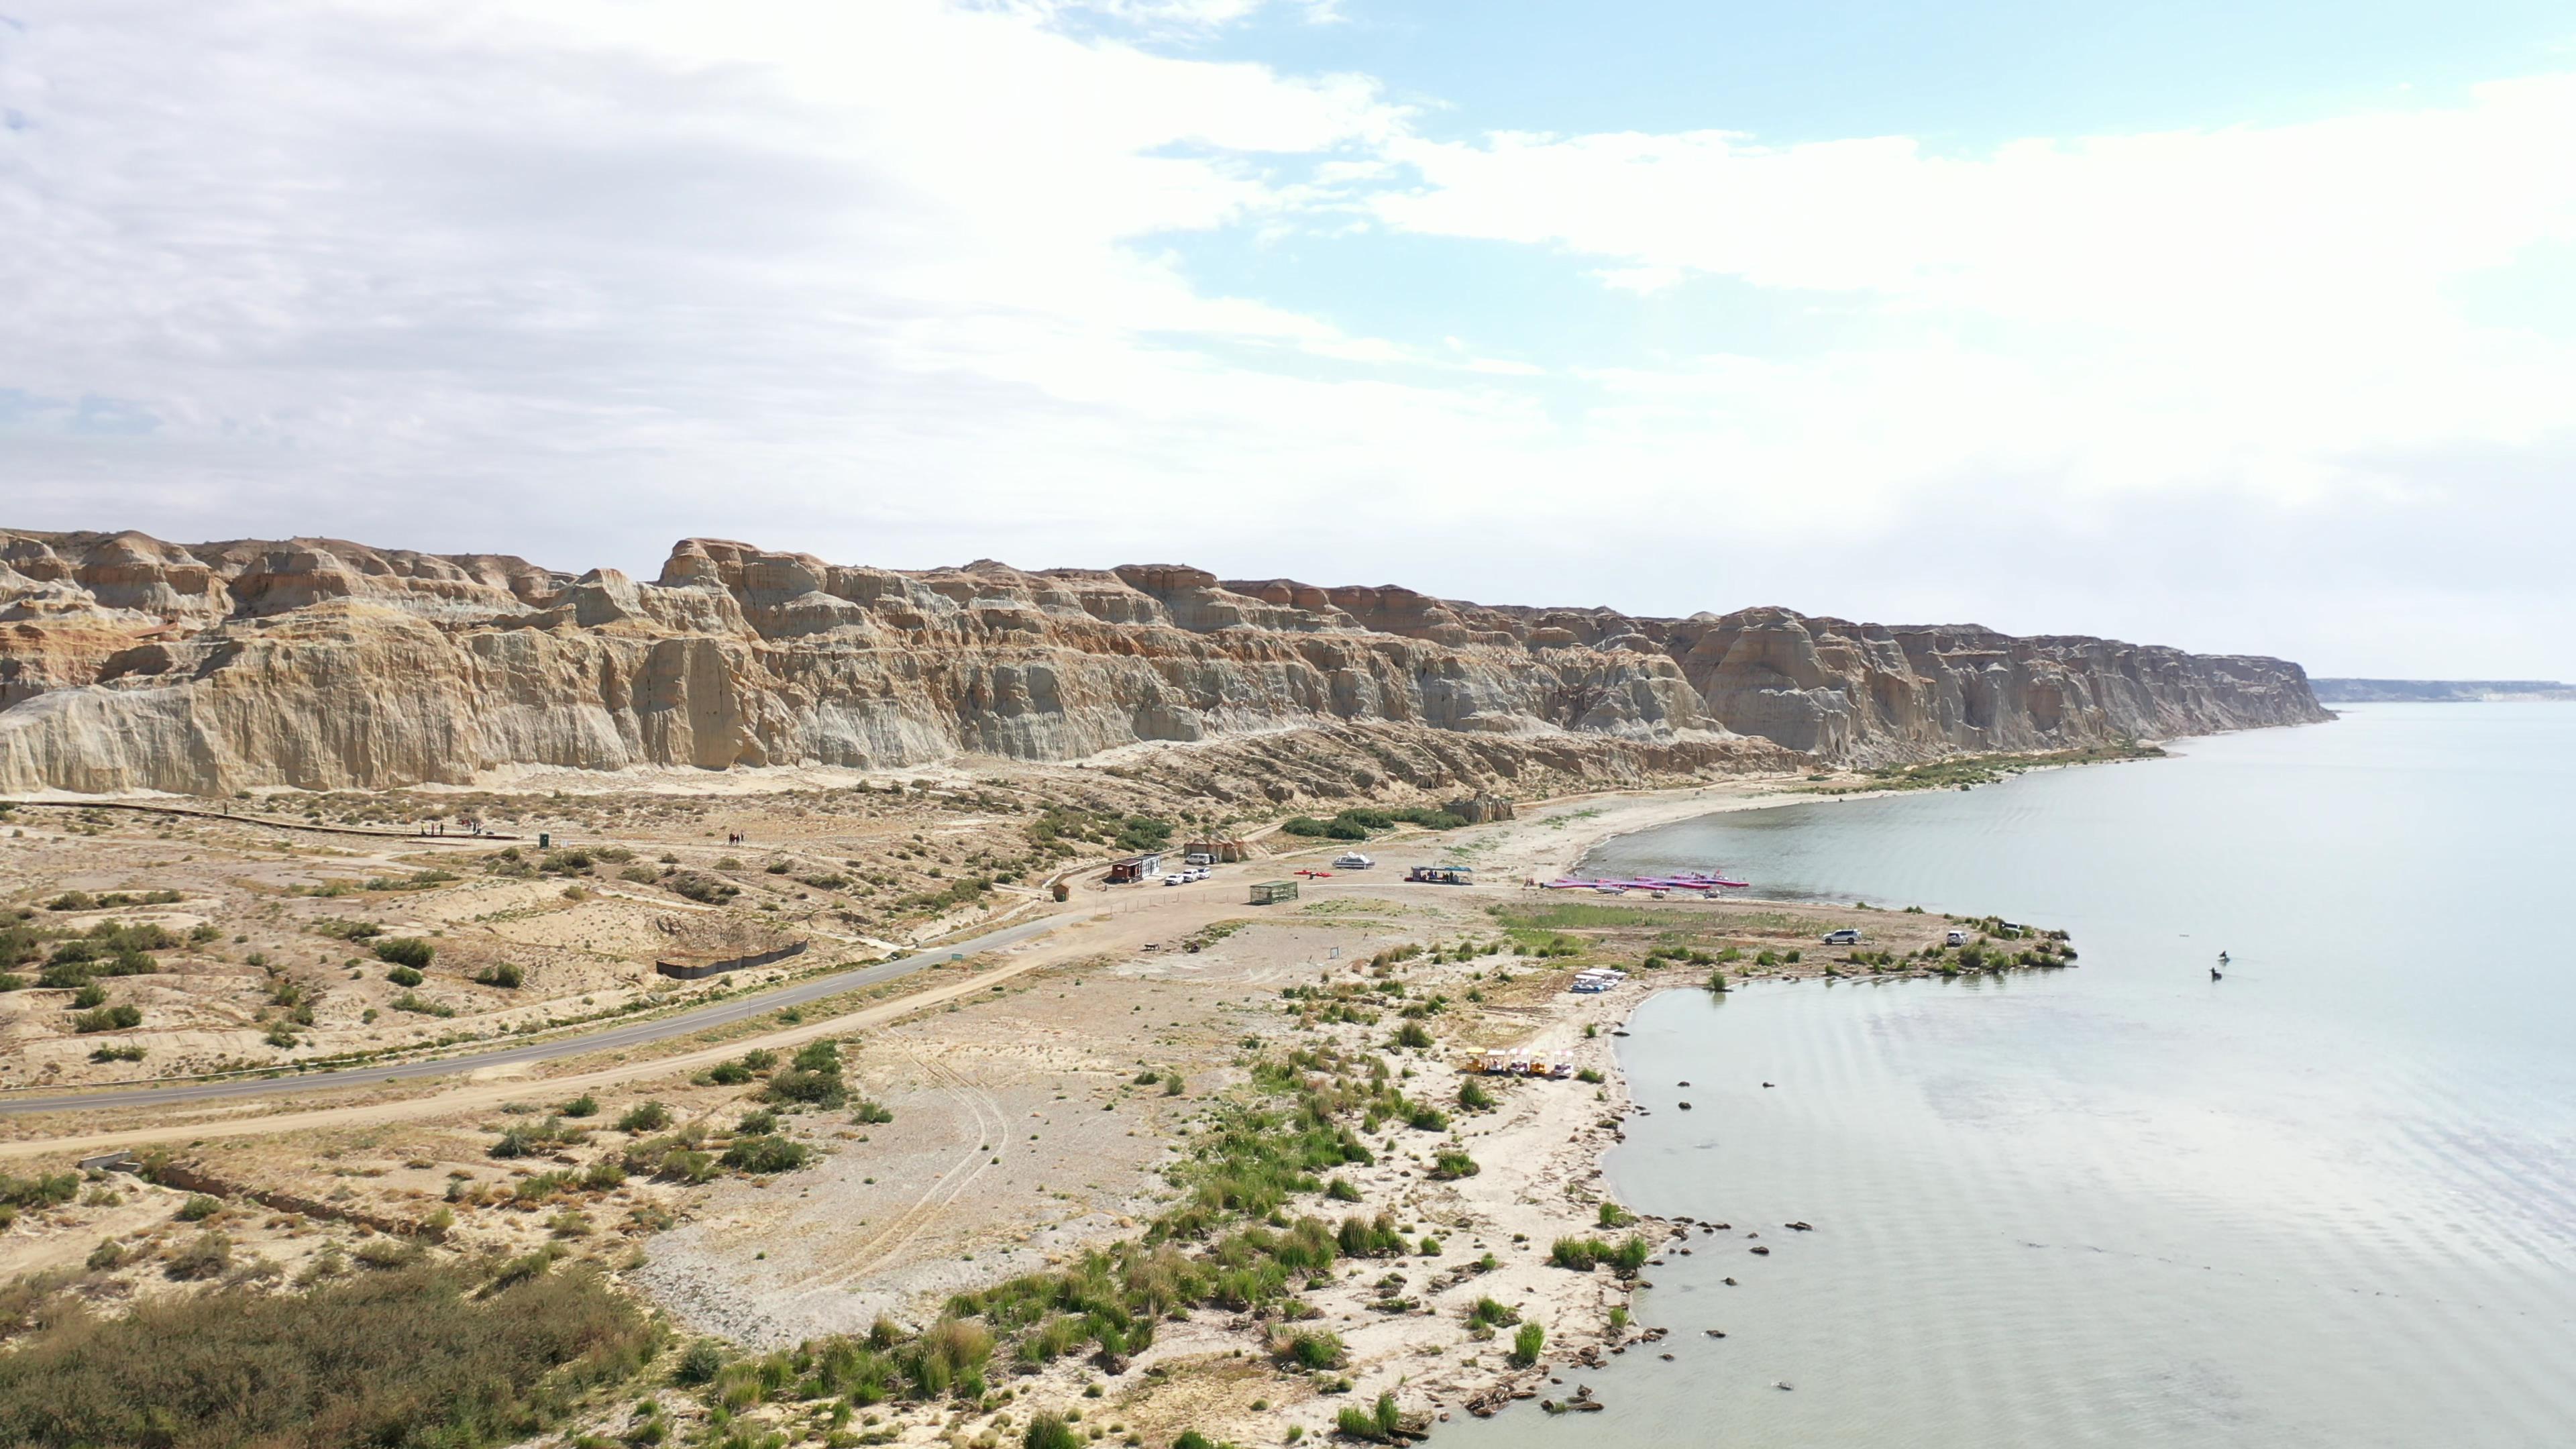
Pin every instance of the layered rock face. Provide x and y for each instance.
(127, 663)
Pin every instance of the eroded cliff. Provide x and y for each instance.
(127, 663)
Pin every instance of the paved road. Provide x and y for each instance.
(634, 1033)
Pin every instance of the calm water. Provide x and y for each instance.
(2330, 1200)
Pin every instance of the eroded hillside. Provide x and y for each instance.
(127, 663)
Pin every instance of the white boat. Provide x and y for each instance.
(1352, 860)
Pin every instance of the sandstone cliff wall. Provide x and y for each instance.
(128, 663)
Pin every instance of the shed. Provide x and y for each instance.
(1135, 868)
(1272, 892)
(1219, 849)
(1442, 874)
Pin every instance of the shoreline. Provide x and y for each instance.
(1541, 1151)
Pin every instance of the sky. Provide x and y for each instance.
(2239, 327)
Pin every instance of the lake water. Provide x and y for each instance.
(2329, 1200)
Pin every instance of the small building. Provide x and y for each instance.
(1272, 892)
(1136, 867)
(1219, 850)
(1442, 875)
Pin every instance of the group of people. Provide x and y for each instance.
(734, 837)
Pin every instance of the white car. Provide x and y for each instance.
(1174, 879)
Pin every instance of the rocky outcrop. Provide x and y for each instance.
(127, 663)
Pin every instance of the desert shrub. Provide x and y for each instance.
(699, 1363)
(645, 1117)
(1488, 1313)
(1611, 1215)
(108, 1018)
(1451, 1164)
(870, 1111)
(420, 1005)
(1473, 1097)
(699, 886)
(687, 1164)
(767, 1152)
(1411, 1034)
(820, 1089)
(1050, 1431)
(1312, 1349)
(205, 1256)
(411, 1358)
(584, 1105)
(1526, 1344)
(43, 1190)
(408, 951)
(345, 930)
(199, 1207)
(1426, 1118)
(503, 974)
(90, 995)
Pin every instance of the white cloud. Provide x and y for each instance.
(894, 282)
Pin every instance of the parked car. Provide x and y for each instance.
(1955, 938)
(1174, 879)
(1844, 937)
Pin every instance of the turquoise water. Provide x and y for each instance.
(2330, 1200)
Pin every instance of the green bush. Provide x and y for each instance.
(108, 1018)
(1050, 1431)
(821, 1089)
(1313, 1349)
(1473, 1097)
(699, 886)
(645, 1117)
(420, 1005)
(207, 1255)
(404, 976)
(410, 1358)
(502, 974)
(1452, 1164)
(584, 1105)
(1527, 1343)
(766, 1152)
(699, 1363)
(408, 951)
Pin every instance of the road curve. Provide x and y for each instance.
(635, 1033)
